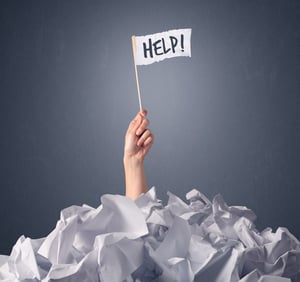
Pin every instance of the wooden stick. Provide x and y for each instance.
(136, 72)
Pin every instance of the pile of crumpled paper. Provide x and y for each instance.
(143, 240)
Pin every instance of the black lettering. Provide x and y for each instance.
(173, 42)
(166, 51)
(149, 49)
(156, 48)
(182, 47)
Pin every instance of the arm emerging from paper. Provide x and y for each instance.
(138, 141)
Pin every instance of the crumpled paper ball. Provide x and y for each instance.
(143, 240)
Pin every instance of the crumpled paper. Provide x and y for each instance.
(143, 240)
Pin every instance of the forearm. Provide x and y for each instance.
(135, 179)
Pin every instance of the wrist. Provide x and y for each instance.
(132, 161)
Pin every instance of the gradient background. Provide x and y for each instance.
(226, 120)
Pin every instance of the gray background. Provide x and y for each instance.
(226, 120)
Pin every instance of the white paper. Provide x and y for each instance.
(122, 240)
(159, 46)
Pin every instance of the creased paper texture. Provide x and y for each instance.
(125, 241)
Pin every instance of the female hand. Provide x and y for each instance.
(138, 138)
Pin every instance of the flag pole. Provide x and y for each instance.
(136, 72)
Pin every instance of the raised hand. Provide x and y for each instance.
(138, 141)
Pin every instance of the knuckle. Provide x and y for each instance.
(146, 122)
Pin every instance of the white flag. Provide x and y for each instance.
(159, 46)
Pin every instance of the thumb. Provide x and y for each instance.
(135, 123)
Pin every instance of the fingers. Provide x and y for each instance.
(138, 127)
(145, 139)
(136, 122)
(142, 127)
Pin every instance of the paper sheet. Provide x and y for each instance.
(156, 47)
(122, 240)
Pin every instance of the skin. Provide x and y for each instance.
(138, 141)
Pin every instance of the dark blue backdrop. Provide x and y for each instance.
(226, 120)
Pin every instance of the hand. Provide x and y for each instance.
(138, 138)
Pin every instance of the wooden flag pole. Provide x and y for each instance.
(136, 72)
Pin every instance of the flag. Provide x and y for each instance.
(159, 46)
